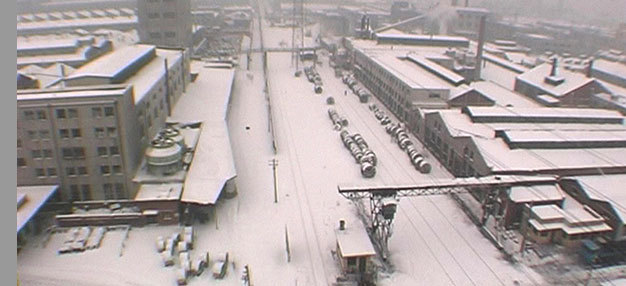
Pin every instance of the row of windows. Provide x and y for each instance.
(167, 15)
(84, 194)
(47, 172)
(67, 113)
(73, 171)
(113, 191)
(99, 132)
(108, 170)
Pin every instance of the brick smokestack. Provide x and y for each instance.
(481, 43)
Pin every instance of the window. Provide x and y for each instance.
(169, 15)
(21, 162)
(70, 171)
(108, 111)
(108, 191)
(82, 170)
(111, 131)
(79, 152)
(39, 172)
(44, 134)
(155, 113)
(64, 133)
(76, 133)
(117, 169)
(47, 153)
(61, 114)
(153, 15)
(105, 170)
(19, 143)
(32, 135)
(73, 153)
(113, 150)
(119, 190)
(96, 112)
(74, 194)
(41, 115)
(155, 35)
(102, 151)
(98, 132)
(36, 154)
(29, 115)
(72, 113)
(170, 34)
(351, 261)
(86, 192)
(52, 172)
(433, 95)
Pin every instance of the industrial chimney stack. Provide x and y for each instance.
(553, 71)
(481, 43)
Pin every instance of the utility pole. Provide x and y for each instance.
(274, 163)
(287, 245)
(293, 32)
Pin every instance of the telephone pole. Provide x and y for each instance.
(274, 163)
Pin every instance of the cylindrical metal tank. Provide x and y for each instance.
(164, 157)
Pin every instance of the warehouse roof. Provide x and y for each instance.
(572, 221)
(606, 188)
(29, 200)
(572, 80)
(213, 164)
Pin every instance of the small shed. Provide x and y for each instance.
(354, 249)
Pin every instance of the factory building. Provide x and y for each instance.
(165, 23)
(87, 131)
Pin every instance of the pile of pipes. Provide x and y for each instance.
(361, 152)
(398, 132)
(313, 76)
(356, 88)
(338, 121)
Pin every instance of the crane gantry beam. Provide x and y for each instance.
(383, 199)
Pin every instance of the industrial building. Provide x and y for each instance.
(165, 23)
(86, 132)
(87, 19)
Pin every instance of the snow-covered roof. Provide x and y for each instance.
(502, 96)
(436, 69)
(606, 188)
(113, 64)
(505, 64)
(536, 193)
(148, 192)
(30, 199)
(413, 75)
(616, 69)
(536, 77)
(412, 39)
(353, 241)
(213, 164)
(571, 221)
(111, 90)
(542, 115)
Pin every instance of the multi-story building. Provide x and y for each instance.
(165, 22)
(87, 133)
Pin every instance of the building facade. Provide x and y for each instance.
(88, 133)
(165, 22)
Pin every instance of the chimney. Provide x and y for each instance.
(342, 224)
(466, 3)
(589, 68)
(554, 63)
(481, 43)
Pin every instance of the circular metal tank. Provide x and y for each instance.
(164, 157)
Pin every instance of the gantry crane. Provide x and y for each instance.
(384, 200)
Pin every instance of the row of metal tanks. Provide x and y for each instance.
(356, 88)
(313, 76)
(399, 133)
(358, 147)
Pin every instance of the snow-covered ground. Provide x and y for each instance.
(433, 243)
